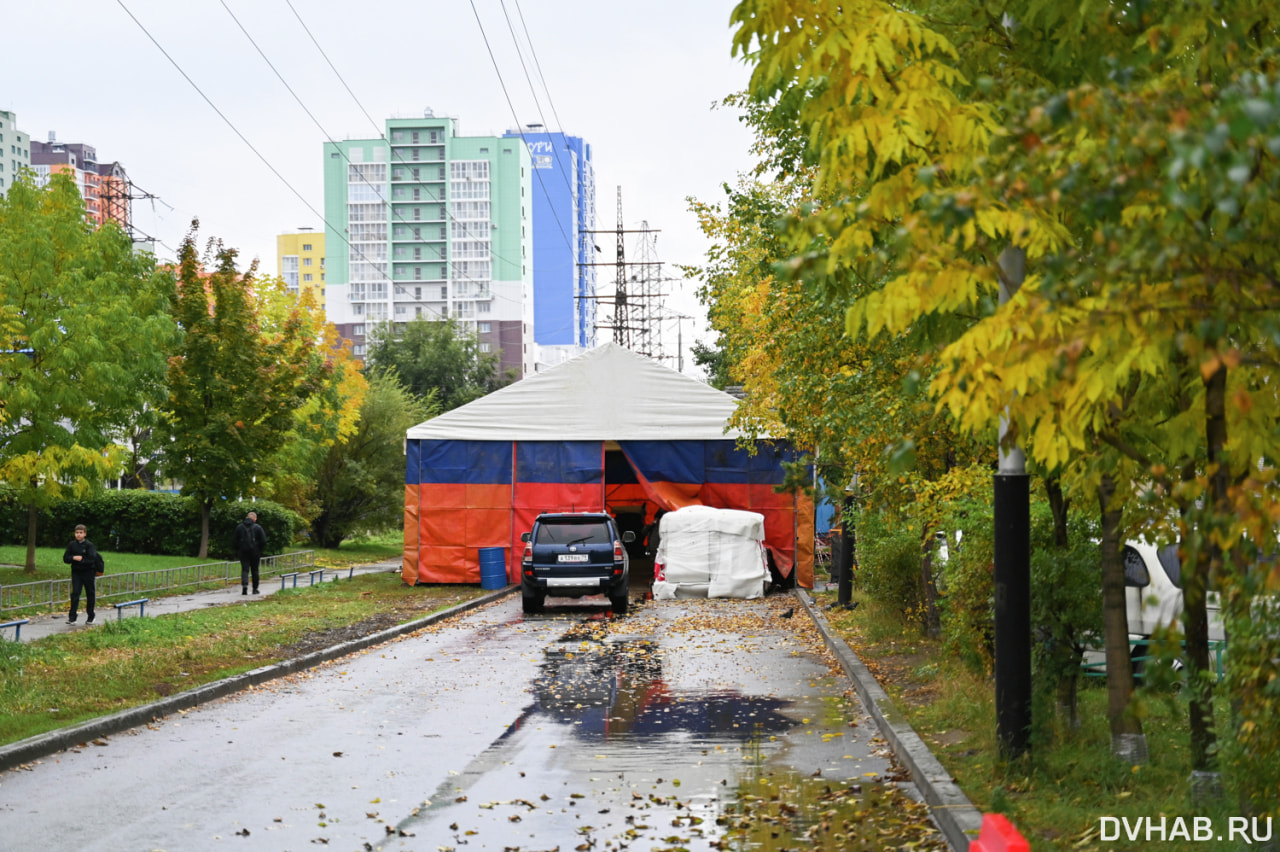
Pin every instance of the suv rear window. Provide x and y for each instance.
(573, 532)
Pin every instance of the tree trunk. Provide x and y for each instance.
(206, 509)
(1127, 739)
(1059, 505)
(929, 589)
(1066, 654)
(1195, 584)
(32, 515)
(1068, 691)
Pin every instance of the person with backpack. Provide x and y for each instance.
(86, 564)
(250, 541)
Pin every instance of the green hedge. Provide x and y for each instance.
(146, 522)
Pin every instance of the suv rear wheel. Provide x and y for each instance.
(619, 603)
(532, 601)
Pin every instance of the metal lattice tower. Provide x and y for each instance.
(621, 320)
(646, 287)
(637, 295)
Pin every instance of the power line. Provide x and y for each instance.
(395, 286)
(516, 119)
(538, 65)
(555, 149)
(335, 70)
(214, 107)
(393, 215)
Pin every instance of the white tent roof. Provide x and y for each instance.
(606, 394)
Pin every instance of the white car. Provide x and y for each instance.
(1153, 591)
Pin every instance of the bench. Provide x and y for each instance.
(312, 574)
(140, 603)
(17, 627)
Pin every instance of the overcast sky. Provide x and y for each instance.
(637, 81)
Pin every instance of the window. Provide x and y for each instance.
(482, 307)
(306, 277)
(417, 233)
(417, 293)
(321, 276)
(415, 153)
(306, 247)
(484, 327)
(415, 136)
(306, 261)
(417, 174)
(444, 292)
(484, 347)
(417, 213)
(357, 329)
(417, 194)
(417, 273)
(417, 252)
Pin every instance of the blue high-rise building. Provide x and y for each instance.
(564, 215)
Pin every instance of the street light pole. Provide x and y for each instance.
(1012, 511)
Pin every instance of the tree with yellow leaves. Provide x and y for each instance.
(1128, 151)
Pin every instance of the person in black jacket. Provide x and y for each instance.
(250, 541)
(85, 564)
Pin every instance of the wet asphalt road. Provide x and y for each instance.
(491, 731)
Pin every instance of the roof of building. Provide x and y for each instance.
(606, 394)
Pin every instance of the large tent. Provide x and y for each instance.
(610, 431)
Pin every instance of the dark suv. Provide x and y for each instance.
(575, 554)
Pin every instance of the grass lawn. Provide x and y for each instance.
(68, 678)
(1058, 794)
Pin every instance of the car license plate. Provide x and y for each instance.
(572, 557)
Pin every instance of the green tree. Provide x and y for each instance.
(329, 415)
(86, 325)
(716, 363)
(234, 382)
(360, 486)
(435, 355)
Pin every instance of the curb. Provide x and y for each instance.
(950, 808)
(34, 748)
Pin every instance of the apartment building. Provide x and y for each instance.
(300, 262)
(426, 223)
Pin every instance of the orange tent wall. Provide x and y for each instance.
(447, 522)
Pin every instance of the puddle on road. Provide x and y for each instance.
(608, 755)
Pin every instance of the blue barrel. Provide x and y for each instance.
(493, 567)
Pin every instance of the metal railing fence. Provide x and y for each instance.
(51, 595)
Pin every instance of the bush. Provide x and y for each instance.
(138, 521)
(967, 584)
(889, 560)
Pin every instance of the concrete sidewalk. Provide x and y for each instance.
(951, 809)
(40, 626)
